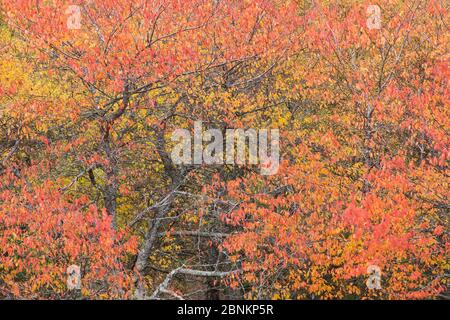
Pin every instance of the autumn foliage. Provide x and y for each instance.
(43, 233)
(88, 106)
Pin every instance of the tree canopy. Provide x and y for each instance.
(92, 90)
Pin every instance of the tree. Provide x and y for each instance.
(367, 123)
(361, 105)
(134, 65)
(43, 233)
